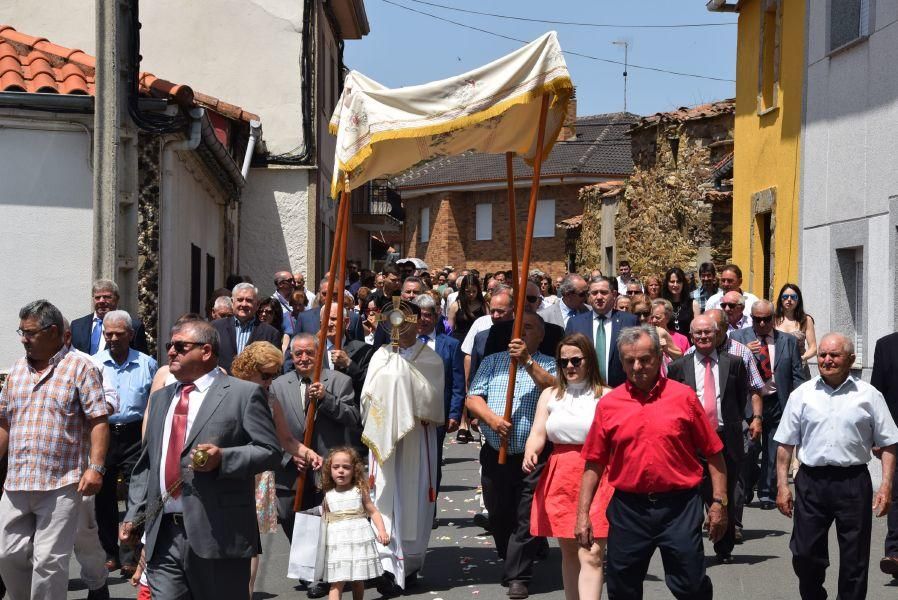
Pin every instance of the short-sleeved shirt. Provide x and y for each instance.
(651, 442)
(491, 383)
(836, 427)
(132, 381)
(47, 414)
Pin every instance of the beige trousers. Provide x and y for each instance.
(37, 569)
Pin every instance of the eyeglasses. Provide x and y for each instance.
(766, 319)
(265, 311)
(267, 376)
(642, 313)
(703, 333)
(280, 281)
(729, 305)
(532, 299)
(633, 292)
(29, 334)
(789, 296)
(182, 347)
(573, 361)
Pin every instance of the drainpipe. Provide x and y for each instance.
(255, 132)
(196, 130)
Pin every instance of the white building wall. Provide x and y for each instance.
(45, 222)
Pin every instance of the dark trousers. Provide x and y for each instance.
(179, 573)
(892, 534)
(441, 437)
(508, 495)
(671, 522)
(767, 476)
(124, 450)
(728, 541)
(824, 495)
(745, 478)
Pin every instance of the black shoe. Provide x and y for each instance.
(319, 589)
(434, 525)
(889, 565)
(99, 593)
(738, 535)
(387, 587)
(481, 520)
(768, 504)
(725, 559)
(463, 436)
(517, 590)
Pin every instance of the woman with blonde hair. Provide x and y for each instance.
(563, 416)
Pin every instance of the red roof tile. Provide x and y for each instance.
(690, 113)
(33, 64)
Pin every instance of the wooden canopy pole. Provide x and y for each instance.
(339, 244)
(512, 221)
(525, 266)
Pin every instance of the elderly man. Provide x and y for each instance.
(299, 279)
(572, 301)
(309, 321)
(507, 490)
(649, 434)
(87, 331)
(353, 356)
(602, 325)
(284, 284)
(237, 332)
(222, 307)
(501, 308)
(779, 362)
(131, 374)
(835, 420)
(733, 306)
(51, 405)
(731, 281)
(721, 384)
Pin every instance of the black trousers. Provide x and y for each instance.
(671, 522)
(824, 495)
(892, 534)
(726, 544)
(508, 495)
(767, 476)
(746, 477)
(124, 450)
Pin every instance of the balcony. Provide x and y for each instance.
(376, 207)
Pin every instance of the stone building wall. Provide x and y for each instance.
(149, 151)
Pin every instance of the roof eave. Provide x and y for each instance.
(352, 18)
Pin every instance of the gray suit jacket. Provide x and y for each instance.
(553, 315)
(219, 506)
(787, 371)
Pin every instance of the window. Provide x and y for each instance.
(483, 222)
(210, 276)
(424, 233)
(196, 265)
(544, 226)
(769, 58)
(848, 21)
(848, 300)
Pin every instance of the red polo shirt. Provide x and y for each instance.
(651, 442)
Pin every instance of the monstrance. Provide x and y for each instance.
(400, 317)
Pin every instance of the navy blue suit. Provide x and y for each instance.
(582, 323)
(449, 350)
(82, 326)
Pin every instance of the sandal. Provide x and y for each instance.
(463, 436)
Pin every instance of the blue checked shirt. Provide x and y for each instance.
(243, 333)
(132, 380)
(491, 383)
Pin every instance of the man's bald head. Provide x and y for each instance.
(733, 298)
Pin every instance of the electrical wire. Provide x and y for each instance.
(569, 52)
(575, 23)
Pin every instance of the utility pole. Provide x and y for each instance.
(115, 155)
(626, 46)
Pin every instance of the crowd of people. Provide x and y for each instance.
(645, 414)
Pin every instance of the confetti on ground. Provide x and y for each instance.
(475, 592)
(444, 538)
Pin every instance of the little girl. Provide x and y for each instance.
(349, 551)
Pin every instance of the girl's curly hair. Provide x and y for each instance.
(358, 470)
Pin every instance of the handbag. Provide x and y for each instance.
(307, 548)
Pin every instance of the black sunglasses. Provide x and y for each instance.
(181, 347)
(642, 313)
(766, 319)
(575, 361)
(729, 305)
(532, 299)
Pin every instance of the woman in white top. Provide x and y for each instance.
(563, 417)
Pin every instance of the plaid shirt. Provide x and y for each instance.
(734, 348)
(491, 383)
(47, 414)
(702, 296)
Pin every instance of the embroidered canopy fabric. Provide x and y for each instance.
(493, 109)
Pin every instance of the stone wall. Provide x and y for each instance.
(149, 180)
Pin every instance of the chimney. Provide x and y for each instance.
(568, 128)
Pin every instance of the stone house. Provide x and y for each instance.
(456, 209)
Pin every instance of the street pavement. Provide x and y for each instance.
(462, 564)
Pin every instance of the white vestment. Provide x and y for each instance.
(402, 405)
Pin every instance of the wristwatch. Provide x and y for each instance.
(98, 468)
(758, 417)
(721, 501)
(529, 363)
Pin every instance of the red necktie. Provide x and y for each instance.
(764, 360)
(176, 439)
(709, 393)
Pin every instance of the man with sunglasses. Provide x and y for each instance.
(284, 284)
(733, 306)
(779, 362)
(572, 301)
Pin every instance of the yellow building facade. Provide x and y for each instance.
(769, 91)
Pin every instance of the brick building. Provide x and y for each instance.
(456, 209)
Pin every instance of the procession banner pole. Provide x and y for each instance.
(512, 221)
(341, 279)
(525, 266)
(322, 338)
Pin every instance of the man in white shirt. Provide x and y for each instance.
(625, 276)
(836, 420)
(731, 281)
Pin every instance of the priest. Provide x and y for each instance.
(402, 405)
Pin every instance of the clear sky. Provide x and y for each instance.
(406, 48)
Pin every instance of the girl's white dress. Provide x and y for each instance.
(350, 553)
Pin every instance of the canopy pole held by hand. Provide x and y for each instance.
(339, 235)
(525, 266)
(512, 220)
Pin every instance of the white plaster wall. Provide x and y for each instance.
(192, 212)
(45, 225)
(274, 224)
(880, 297)
(815, 275)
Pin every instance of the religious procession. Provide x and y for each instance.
(450, 338)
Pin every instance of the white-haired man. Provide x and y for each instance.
(241, 330)
(87, 331)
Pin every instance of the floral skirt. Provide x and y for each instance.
(266, 503)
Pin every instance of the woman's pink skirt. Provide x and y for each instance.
(554, 509)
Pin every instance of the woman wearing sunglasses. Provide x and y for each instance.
(260, 362)
(790, 318)
(564, 414)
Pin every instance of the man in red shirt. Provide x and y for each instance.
(648, 434)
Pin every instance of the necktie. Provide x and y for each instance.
(95, 335)
(304, 392)
(176, 441)
(600, 349)
(709, 393)
(764, 360)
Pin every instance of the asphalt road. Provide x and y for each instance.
(462, 564)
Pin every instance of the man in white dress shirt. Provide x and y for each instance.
(835, 419)
(731, 281)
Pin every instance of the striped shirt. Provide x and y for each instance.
(491, 383)
(47, 413)
(243, 332)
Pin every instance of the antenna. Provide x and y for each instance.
(626, 46)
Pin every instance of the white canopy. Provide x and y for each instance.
(494, 109)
